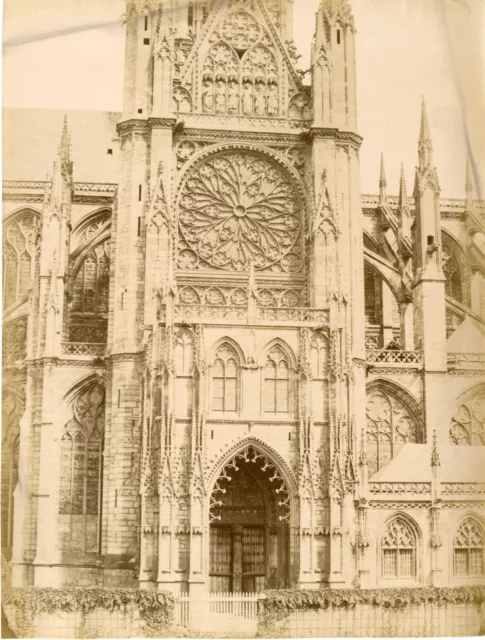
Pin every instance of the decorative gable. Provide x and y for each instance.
(240, 67)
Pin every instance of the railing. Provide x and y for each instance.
(190, 312)
(83, 349)
(393, 356)
(462, 488)
(212, 612)
(211, 312)
(291, 314)
(400, 488)
(466, 360)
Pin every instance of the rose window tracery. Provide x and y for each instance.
(237, 209)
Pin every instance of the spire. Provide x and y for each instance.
(382, 183)
(468, 186)
(425, 145)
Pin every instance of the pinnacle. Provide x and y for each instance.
(424, 135)
(64, 146)
(402, 188)
(382, 175)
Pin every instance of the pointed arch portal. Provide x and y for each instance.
(249, 515)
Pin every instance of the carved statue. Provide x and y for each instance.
(208, 97)
(272, 100)
(260, 100)
(221, 97)
(233, 102)
(247, 99)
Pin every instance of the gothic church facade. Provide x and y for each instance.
(225, 368)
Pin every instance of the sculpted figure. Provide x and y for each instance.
(233, 98)
(208, 97)
(260, 100)
(273, 100)
(221, 97)
(247, 99)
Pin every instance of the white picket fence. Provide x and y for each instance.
(222, 612)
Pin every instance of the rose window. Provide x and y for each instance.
(237, 209)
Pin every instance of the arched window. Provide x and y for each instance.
(81, 473)
(398, 548)
(468, 549)
(12, 409)
(90, 297)
(184, 368)
(225, 379)
(468, 423)
(452, 273)
(319, 366)
(277, 382)
(390, 425)
(18, 249)
(373, 296)
(14, 342)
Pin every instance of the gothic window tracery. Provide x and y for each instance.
(90, 297)
(468, 549)
(390, 425)
(14, 342)
(319, 365)
(398, 548)
(237, 208)
(225, 378)
(18, 250)
(452, 273)
(12, 410)
(277, 382)
(184, 367)
(468, 422)
(81, 472)
(240, 72)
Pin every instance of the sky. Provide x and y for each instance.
(69, 54)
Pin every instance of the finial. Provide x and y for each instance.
(435, 458)
(382, 182)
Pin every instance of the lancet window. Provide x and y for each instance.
(18, 251)
(81, 473)
(240, 72)
(319, 367)
(277, 382)
(468, 422)
(184, 368)
(468, 549)
(90, 297)
(225, 378)
(398, 548)
(390, 425)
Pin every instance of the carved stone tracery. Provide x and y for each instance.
(237, 208)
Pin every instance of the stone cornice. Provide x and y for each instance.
(238, 136)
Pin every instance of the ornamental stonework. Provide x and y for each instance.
(237, 209)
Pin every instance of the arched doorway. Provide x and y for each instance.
(249, 526)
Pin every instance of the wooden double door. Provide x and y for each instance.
(248, 543)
